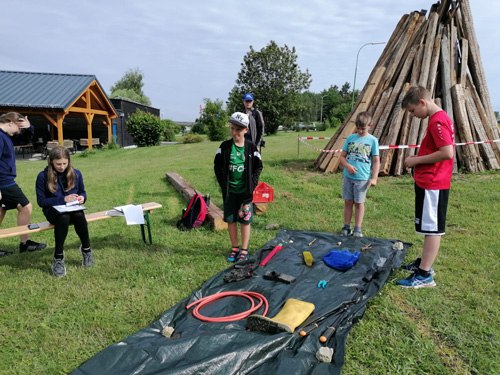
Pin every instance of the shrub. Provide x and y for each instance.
(145, 128)
(192, 138)
(170, 129)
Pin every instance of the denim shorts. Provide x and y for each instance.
(354, 190)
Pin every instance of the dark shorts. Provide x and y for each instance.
(237, 212)
(430, 211)
(12, 196)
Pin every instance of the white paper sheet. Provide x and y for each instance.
(133, 214)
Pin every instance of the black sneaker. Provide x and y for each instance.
(4, 253)
(413, 266)
(31, 246)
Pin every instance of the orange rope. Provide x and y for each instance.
(229, 318)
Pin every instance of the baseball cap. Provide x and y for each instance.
(239, 119)
(248, 97)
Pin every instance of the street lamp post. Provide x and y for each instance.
(321, 109)
(356, 69)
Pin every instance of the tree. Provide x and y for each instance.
(274, 77)
(336, 104)
(145, 128)
(214, 119)
(130, 87)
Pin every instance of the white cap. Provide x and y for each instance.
(239, 119)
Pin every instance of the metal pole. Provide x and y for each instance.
(356, 69)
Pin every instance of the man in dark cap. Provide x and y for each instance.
(256, 128)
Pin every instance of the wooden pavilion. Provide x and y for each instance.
(61, 99)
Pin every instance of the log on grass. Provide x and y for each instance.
(215, 216)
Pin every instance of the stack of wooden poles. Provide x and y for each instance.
(441, 53)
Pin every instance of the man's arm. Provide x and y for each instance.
(444, 153)
(259, 120)
(375, 170)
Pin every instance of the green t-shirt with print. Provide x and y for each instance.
(237, 169)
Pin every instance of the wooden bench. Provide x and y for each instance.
(84, 142)
(94, 216)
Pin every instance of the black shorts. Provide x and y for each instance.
(430, 211)
(12, 196)
(235, 211)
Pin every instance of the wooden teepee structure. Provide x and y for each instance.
(441, 53)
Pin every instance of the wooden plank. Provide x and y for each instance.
(215, 215)
(471, 157)
(394, 126)
(403, 140)
(491, 130)
(453, 53)
(428, 48)
(475, 63)
(334, 160)
(475, 120)
(436, 50)
(45, 225)
(464, 56)
(391, 102)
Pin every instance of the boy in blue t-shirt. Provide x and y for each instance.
(361, 161)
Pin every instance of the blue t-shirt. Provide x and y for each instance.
(360, 151)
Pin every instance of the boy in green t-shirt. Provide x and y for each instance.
(237, 166)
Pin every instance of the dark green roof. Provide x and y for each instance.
(41, 90)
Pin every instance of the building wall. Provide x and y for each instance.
(127, 108)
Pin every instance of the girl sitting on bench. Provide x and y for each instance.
(58, 184)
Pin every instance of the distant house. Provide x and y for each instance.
(125, 108)
(60, 106)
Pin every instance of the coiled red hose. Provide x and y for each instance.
(229, 318)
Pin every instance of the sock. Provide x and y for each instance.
(59, 256)
(357, 229)
(347, 226)
(87, 250)
(423, 273)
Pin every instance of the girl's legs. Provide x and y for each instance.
(81, 229)
(61, 224)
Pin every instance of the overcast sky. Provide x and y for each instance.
(190, 50)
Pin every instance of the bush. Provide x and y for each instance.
(111, 146)
(170, 129)
(192, 138)
(145, 128)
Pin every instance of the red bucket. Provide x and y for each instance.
(263, 193)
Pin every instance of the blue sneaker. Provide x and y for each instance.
(416, 281)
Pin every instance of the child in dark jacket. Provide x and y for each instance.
(59, 183)
(237, 166)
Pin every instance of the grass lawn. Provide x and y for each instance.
(50, 326)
